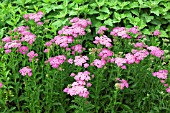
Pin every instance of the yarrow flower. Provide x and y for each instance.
(105, 53)
(31, 55)
(120, 31)
(80, 60)
(78, 87)
(26, 70)
(103, 40)
(36, 17)
(161, 74)
(102, 29)
(123, 83)
(56, 61)
(156, 33)
(156, 51)
(77, 28)
(63, 41)
(23, 49)
(99, 63)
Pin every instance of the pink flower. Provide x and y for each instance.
(134, 30)
(23, 49)
(156, 33)
(123, 83)
(80, 60)
(86, 65)
(70, 60)
(8, 51)
(161, 74)
(6, 39)
(99, 63)
(101, 30)
(26, 70)
(168, 89)
(46, 50)
(156, 51)
(31, 55)
(103, 40)
(105, 53)
(89, 84)
(48, 43)
(56, 61)
(1, 84)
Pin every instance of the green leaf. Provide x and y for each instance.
(146, 32)
(135, 11)
(109, 22)
(102, 16)
(155, 11)
(134, 5)
(92, 11)
(163, 34)
(117, 16)
(105, 10)
(73, 12)
(10, 23)
(78, 1)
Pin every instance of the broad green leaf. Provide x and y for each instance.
(163, 34)
(134, 5)
(140, 2)
(73, 12)
(109, 22)
(10, 23)
(105, 10)
(92, 11)
(127, 14)
(146, 32)
(155, 11)
(135, 11)
(117, 16)
(102, 16)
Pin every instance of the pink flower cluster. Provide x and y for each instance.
(56, 61)
(63, 41)
(6, 39)
(103, 40)
(77, 28)
(140, 55)
(36, 17)
(135, 57)
(77, 48)
(26, 70)
(25, 35)
(139, 44)
(102, 29)
(123, 83)
(120, 31)
(23, 49)
(78, 87)
(156, 51)
(13, 44)
(81, 60)
(31, 55)
(99, 63)
(134, 30)
(105, 53)
(162, 75)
